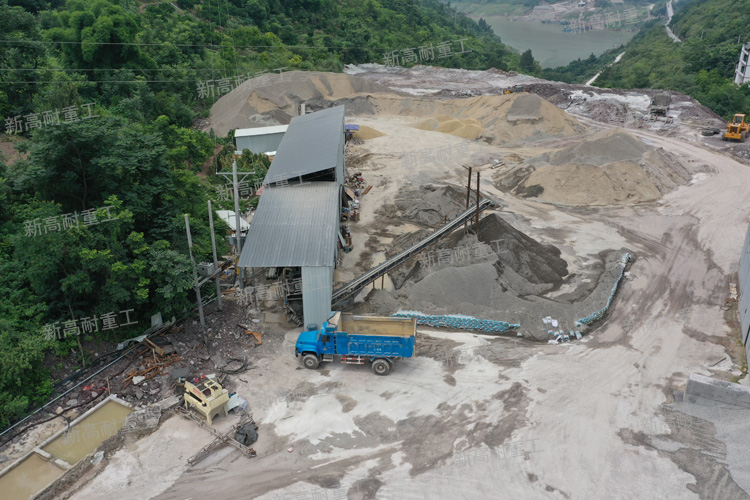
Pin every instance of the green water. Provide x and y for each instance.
(550, 45)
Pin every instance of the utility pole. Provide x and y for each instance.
(476, 223)
(216, 261)
(468, 195)
(195, 272)
(238, 232)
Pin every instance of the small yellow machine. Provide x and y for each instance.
(208, 397)
(737, 129)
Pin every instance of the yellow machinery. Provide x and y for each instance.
(208, 397)
(737, 129)
(513, 90)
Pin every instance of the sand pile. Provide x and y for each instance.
(611, 168)
(506, 119)
(366, 133)
(273, 99)
(468, 128)
(501, 119)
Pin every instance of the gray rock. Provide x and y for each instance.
(179, 373)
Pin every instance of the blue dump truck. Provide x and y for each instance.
(358, 339)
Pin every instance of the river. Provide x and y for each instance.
(550, 45)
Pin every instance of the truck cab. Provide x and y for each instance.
(318, 341)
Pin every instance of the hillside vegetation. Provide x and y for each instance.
(702, 65)
(100, 97)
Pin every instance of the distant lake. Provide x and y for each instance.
(550, 45)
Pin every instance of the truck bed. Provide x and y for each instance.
(375, 345)
(376, 325)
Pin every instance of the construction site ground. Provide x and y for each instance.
(496, 416)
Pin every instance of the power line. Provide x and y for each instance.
(187, 45)
(260, 75)
(108, 69)
(105, 81)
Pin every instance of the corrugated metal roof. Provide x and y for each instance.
(295, 226)
(312, 143)
(247, 132)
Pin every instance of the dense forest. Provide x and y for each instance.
(99, 98)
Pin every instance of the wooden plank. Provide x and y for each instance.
(155, 347)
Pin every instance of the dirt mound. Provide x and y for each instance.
(502, 119)
(612, 168)
(527, 257)
(273, 99)
(468, 128)
(607, 147)
(366, 133)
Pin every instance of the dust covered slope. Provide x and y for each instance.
(501, 119)
(611, 168)
(274, 99)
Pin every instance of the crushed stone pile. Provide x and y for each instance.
(603, 148)
(528, 258)
(429, 205)
(366, 133)
(526, 107)
(500, 273)
(611, 168)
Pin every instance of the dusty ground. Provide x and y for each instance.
(472, 415)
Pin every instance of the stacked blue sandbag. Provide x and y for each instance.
(458, 321)
(600, 314)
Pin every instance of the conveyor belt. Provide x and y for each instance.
(353, 287)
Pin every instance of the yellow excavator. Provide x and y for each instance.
(737, 129)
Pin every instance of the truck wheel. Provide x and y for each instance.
(310, 361)
(381, 367)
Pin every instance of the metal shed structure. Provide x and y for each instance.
(259, 139)
(312, 149)
(744, 292)
(297, 220)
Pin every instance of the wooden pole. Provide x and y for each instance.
(468, 195)
(476, 223)
(216, 261)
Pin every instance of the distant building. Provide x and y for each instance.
(742, 73)
(259, 139)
